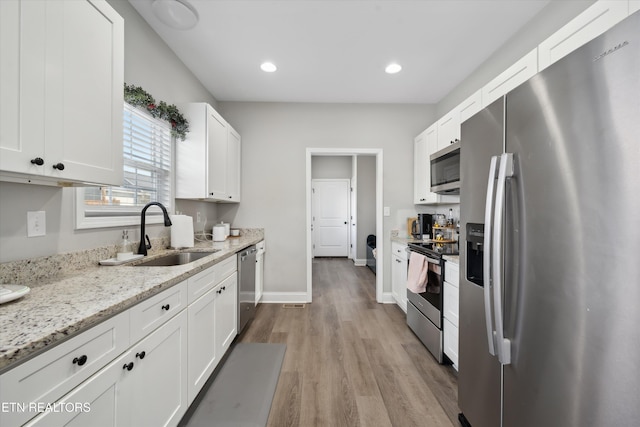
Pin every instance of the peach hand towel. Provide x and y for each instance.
(417, 275)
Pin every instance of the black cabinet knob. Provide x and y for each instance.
(37, 161)
(128, 366)
(141, 355)
(80, 360)
(166, 307)
(59, 166)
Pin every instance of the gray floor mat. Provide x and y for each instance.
(241, 394)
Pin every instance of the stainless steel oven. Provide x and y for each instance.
(424, 310)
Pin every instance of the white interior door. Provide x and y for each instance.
(330, 218)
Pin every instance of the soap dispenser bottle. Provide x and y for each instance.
(124, 248)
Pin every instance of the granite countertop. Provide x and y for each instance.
(68, 303)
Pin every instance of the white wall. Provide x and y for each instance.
(148, 63)
(274, 141)
(331, 167)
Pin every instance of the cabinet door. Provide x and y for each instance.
(399, 280)
(450, 339)
(421, 164)
(102, 400)
(234, 149)
(159, 389)
(594, 21)
(202, 356)
(259, 276)
(216, 155)
(85, 70)
(54, 373)
(518, 73)
(22, 77)
(226, 313)
(470, 106)
(449, 129)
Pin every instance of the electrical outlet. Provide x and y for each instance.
(36, 224)
(387, 211)
(198, 217)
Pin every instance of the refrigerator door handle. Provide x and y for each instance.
(486, 262)
(503, 344)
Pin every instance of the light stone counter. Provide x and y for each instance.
(63, 304)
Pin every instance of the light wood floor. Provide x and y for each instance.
(351, 361)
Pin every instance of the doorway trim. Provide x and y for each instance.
(377, 152)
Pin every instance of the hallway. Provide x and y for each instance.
(351, 361)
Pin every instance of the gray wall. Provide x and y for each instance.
(554, 16)
(274, 141)
(331, 167)
(148, 63)
(366, 182)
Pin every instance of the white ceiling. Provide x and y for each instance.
(336, 50)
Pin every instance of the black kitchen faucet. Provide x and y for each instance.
(142, 249)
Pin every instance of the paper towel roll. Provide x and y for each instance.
(219, 233)
(181, 231)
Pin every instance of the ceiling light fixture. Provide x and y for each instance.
(177, 14)
(268, 67)
(393, 68)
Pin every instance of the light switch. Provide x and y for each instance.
(36, 224)
(387, 211)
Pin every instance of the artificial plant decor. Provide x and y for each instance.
(140, 98)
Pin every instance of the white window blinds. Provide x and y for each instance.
(147, 170)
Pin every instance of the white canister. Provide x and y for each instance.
(219, 233)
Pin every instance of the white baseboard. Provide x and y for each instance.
(360, 262)
(284, 297)
(387, 298)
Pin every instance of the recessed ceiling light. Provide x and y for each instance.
(268, 67)
(393, 68)
(178, 14)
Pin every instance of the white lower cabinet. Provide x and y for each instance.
(399, 274)
(142, 367)
(261, 249)
(451, 311)
(158, 382)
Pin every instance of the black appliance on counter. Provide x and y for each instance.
(422, 226)
(424, 310)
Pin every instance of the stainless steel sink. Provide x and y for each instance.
(175, 259)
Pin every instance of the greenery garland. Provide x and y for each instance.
(140, 98)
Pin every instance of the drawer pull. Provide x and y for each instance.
(166, 307)
(80, 360)
(128, 366)
(141, 355)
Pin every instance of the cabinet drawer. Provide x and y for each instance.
(204, 281)
(399, 250)
(54, 373)
(153, 312)
(451, 303)
(451, 342)
(452, 273)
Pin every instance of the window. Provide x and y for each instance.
(147, 176)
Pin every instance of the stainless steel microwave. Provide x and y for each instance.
(445, 170)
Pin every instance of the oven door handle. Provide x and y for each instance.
(486, 262)
(431, 260)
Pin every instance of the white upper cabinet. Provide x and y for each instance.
(449, 129)
(208, 161)
(61, 92)
(634, 6)
(594, 21)
(525, 68)
(470, 106)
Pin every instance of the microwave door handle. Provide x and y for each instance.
(486, 262)
(503, 344)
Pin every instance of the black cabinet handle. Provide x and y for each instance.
(80, 360)
(166, 307)
(224, 287)
(141, 355)
(59, 166)
(37, 161)
(128, 366)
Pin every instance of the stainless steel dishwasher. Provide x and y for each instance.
(246, 286)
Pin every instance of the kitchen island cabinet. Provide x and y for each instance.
(61, 92)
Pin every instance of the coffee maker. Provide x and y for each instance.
(422, 226)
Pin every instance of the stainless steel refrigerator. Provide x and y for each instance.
(550, 245)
